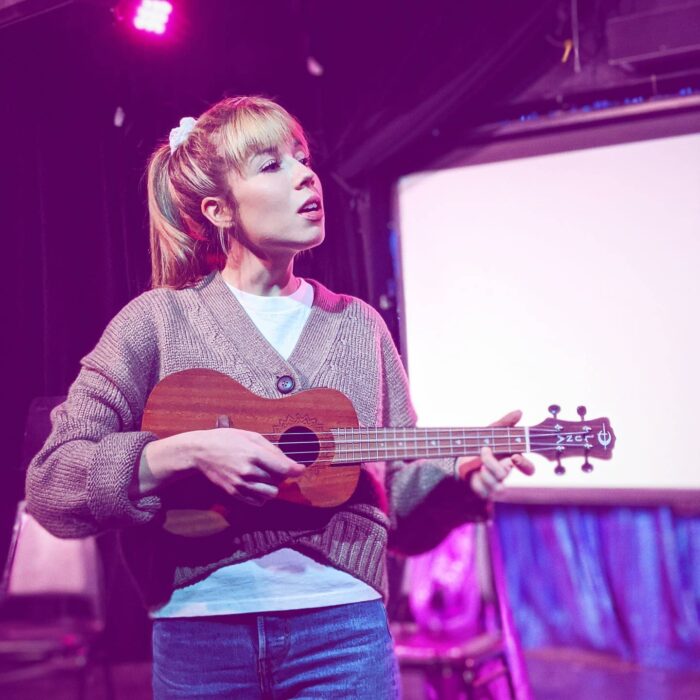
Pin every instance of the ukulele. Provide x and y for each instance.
(319, 428)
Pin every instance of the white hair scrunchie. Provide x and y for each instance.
(179, 134)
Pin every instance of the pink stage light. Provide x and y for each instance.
(152, 16)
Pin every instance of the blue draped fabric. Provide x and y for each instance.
(624, 581)
(618, 580)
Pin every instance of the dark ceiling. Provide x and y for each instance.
(394, 71)
(380, 59)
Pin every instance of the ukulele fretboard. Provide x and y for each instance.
(353, 445)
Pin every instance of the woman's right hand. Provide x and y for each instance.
(244, 464)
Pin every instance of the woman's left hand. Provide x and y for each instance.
(490, 472)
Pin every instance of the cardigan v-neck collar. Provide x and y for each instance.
(312, 349)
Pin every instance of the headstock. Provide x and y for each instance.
(554, 438)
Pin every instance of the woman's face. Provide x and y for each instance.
(279, 200)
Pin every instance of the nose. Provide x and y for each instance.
(305, 176)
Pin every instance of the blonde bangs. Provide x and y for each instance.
(259, 126)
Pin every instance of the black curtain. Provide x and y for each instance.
(82, 106)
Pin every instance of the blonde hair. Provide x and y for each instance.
(185, 245)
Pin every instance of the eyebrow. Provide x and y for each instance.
(271, 151)
(274, 150)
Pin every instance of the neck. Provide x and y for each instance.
(268, 277)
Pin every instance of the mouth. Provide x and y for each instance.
(312, 207)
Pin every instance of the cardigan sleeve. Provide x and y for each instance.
(78, 483)
(426, 500)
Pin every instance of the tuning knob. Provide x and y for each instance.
(581, 410)
(587, 467)
(559, 470)
(554, 409)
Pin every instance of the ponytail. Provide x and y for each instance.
(179, 255)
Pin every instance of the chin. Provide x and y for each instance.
(315, 240)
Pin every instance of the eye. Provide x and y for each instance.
(270, 166)
(305, 159)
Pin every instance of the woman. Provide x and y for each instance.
(287, 602)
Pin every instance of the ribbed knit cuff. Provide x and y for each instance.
(110, 475)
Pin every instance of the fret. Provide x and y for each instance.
(434, 443)
(458, 442)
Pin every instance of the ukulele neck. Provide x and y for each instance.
(354, 445)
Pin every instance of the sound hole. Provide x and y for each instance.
(300, 444)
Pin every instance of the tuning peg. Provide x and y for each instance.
(587, 467)
(554, 410)
(559, 469)
(581, 410)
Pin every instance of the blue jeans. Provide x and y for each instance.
(345, 651)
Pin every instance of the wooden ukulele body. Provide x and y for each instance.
(301, 425)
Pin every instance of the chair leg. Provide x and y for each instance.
(509, 679)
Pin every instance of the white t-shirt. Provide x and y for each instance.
(284, 579)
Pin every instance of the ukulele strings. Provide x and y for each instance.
(435, 434)
(444, 443)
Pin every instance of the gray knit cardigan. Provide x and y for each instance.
(79, 482)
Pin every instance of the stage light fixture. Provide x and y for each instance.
(152, 16)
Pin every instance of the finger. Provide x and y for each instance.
(273, 458)
(489, 462)
(485, 485)
(523, 464)
(488, 479)
(486, 454)
(276, 463)
(509, 419)
(220, 481)
(478, 486)
(250, 500)
(278, 469)
(253, 473)
(488, 458)
(258, 492)
(501, 468)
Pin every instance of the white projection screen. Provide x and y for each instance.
(564, 268)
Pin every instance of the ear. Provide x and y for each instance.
(217, 211)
